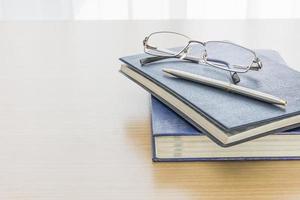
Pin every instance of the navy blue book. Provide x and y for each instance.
(226, 118)
(174, 139)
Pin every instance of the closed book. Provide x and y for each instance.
(226, 118)
(174, 139)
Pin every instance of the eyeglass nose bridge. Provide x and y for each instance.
(190, 42)
(204, 54)
(196, 41)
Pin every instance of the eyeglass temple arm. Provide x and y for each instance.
(149, 60)
(152, 59)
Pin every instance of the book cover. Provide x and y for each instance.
(167, 124)
(229, 114)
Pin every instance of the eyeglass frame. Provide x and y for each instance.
(255, 65)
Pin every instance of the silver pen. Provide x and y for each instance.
(226, 86)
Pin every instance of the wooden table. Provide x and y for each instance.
(72, 127)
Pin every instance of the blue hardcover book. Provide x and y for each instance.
(174, 139)
(227, 118)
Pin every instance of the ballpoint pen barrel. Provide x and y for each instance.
(226, 86)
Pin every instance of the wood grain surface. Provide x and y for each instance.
(72, 127)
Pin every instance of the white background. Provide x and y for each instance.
(147, 9)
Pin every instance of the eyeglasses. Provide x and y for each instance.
(220, 54)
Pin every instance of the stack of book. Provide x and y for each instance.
(193, 122)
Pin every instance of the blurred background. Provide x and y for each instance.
(86, 24)
(145, 9)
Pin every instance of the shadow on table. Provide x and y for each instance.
(217, 179)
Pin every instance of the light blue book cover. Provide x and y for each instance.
(230, 112)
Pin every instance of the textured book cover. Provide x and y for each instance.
(230, 113)
(166, 123)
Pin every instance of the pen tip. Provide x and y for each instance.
(168, 72)
(165, 70)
